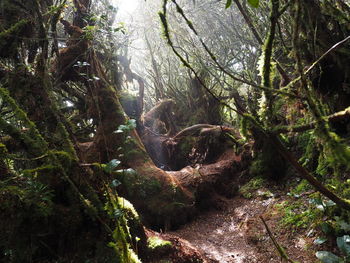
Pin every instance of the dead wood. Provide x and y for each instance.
(203, 129)
(157, 112)
(180, 251)
(163, 198)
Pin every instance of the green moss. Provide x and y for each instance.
(122, 212)
(128, 207)
(122, 248)
(67, 143)
(35, 171)
(268, 163)
(130, 105)
(253, 185)
(298, 215)
(138, 186)
(155, 243)
(33, 138)
(3, 151)
(302, 187)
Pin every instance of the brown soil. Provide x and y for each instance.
(236, 234)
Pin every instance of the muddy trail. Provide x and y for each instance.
(236, 234)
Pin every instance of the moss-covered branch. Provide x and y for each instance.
(267, 56)
(340, 151)
(341, 116)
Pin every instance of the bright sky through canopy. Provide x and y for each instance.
(126, 7)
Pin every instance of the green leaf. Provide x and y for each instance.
(328, 203)
(254, 3)
(123, 127)
(344, 244)
(131, 123)
(327, 257)
(128, 171)
(89, 28)
(318, 203)
(343, 225)
(327, 228)
(111, 165)
(320, 240)
(228, 3)
(116, 183)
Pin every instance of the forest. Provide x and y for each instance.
(175, 131)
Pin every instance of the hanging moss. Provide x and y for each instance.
(33, 139)
(308, 146)
(267, 68)
(123, 251)
(68, 147)
(129, 208)
(32, 146)
(244, 128)
(121, 209)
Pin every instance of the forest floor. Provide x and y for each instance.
(236, 234)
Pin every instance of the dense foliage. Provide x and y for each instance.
(276, 70)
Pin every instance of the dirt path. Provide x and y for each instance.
(236, 234)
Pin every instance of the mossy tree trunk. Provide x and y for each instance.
(163, 198)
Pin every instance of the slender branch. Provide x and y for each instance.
(258, 37)
(334, 47)
(268, 135)
(305, 174)
(249, 22)
(267, 54)
(163, 18)
(281, 251)
(213, 57)
(284, 8)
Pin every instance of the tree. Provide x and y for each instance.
(61, 141)
(259, 124)
(67, 145)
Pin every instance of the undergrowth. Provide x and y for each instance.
(248, 189)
